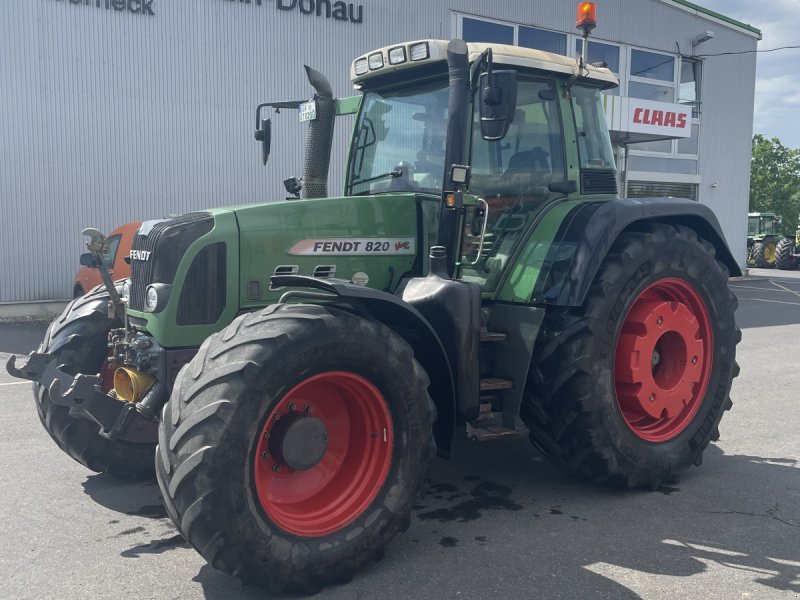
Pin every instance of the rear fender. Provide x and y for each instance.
(409, 324)
(589, 230)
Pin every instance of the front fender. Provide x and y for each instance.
(407, 322)
(589, 230)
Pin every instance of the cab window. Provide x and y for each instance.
(512, 175)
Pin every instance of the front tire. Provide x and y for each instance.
(295, 444)
(78, 342)
(629, 388)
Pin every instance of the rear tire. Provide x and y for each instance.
(222, 461)
(613, 395)
(784, 255)
(764, 254)
(78, 341)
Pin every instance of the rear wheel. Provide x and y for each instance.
(630, 387)
(764, 254)
(78, 342)
(784, 255)
(295, 444)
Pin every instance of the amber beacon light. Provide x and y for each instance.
(586, 20)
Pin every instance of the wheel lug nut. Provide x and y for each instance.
(276, 417)
(652, 397)
(659, 321)
(266, 435)
(276, 468)
(265, 454)
(308, 409)
(292, 406)
(694, 360)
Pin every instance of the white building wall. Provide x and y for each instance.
(110, 117)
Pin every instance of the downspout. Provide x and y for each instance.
(320, 138)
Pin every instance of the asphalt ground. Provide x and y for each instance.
(497, 521)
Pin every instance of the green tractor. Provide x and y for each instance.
(763, 237)
(787, 252)
(293, 366)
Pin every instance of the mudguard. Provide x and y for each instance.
(589, 229)
(407, 322)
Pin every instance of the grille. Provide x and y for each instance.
(596, 181)
(167, 242)
(203, 293)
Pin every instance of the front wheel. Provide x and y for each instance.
(630, 387)
(295, 444)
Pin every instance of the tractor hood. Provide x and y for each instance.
(206, 267)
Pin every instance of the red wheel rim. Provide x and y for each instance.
(663, 360)
(352, 467)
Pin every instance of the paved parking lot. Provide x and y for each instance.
(498, 520)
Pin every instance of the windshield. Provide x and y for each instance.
(400, 140)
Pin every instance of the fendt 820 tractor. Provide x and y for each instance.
(293, 366)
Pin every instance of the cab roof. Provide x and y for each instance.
(363, 69)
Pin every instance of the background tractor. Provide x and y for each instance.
(294, 365)
(763, 237)
(787, 252)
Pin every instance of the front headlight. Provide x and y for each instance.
(156, 297)
(151, 299)
(126, 290)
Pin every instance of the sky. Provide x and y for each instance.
(778, 76)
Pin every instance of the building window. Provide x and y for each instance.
(666, 164)
(540, 39)
(646, 91)
(689, 85)
(600, 52)
(475, 30)
(650, 65)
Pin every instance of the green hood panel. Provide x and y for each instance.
(376, 236)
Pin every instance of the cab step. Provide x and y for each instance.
(493, 336)
(492, 384)
(483, 434)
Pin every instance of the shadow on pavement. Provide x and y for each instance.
(561, 538)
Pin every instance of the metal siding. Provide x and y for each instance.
(111, 117)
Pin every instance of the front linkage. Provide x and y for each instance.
(83, 396)
(132, 418)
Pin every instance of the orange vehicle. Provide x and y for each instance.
(118, 247)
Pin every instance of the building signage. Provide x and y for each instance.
(327, 9)
(647, 118)
(135, 7)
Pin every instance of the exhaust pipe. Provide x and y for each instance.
(320, 138)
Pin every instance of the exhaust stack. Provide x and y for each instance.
(320, 138)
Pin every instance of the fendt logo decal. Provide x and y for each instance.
(140, 255)
(354, 246)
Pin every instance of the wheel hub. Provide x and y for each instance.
(298, 441)
(663, 360)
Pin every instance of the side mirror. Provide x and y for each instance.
(87, 260)
(498, 101)
(264, 135)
